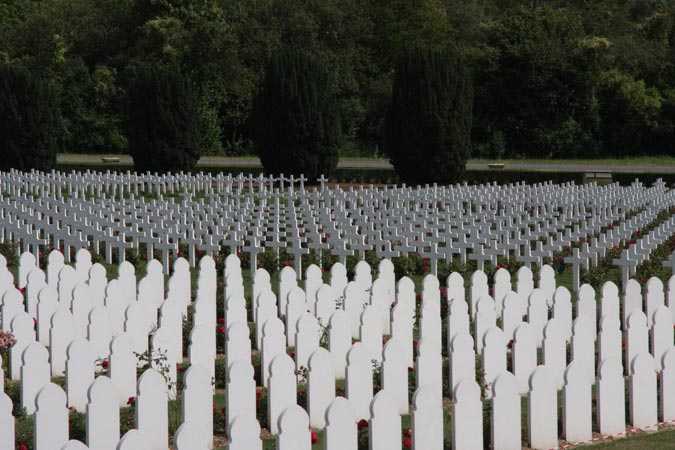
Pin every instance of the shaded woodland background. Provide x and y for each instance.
(550, 78)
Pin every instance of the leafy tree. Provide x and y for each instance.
(629, 113)
(429, 122)
(198, 37)
(164, 130)
(295, 117)
(29, 121)
(532, 82)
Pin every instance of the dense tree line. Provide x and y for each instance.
(550, 77)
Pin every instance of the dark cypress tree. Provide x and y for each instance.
(295, 120)
(428, 125)
(29, 121)
(164, 130)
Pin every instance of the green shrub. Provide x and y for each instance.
(13, 391)
(267, 260)
(77, 422)
(23, 432)
(221, 373)
(127, 419)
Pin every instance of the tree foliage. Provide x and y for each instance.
(629, 111)
(539, 67)
(29, 121)
(164, 128)
(428, 128)
(295, 117)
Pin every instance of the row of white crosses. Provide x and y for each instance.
(210, 213)
(364, 310)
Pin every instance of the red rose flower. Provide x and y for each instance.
(315, 437)
(363, 423)
(131, 401)
(407, 443)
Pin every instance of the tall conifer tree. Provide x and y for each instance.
(164, 130)
(429, 121)
(29, 121)
(296, 125)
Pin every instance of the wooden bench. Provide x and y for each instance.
(597, 175)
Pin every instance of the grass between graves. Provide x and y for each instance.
(413, 266)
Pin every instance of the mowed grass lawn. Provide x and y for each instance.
(663, 440)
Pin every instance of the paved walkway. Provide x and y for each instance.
(383, 164)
